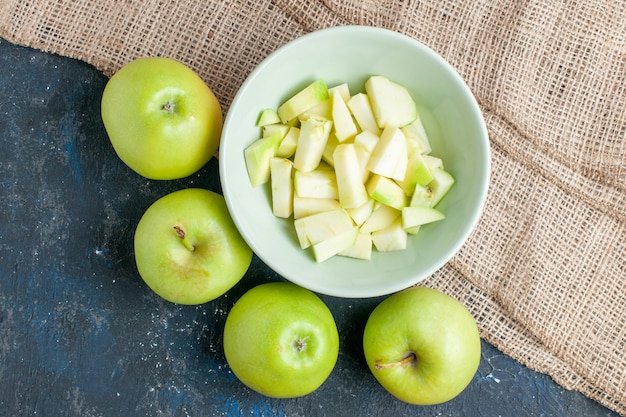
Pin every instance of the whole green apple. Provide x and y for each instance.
(163, 121)
(187, 248)
(281, 340)
(422, 346)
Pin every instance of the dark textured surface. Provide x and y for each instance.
(81, 335)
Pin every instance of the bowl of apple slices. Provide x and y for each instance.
(354, 161)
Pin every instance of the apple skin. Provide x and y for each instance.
(209, 261)
(441, 334)
(263, 333)
(161, 118)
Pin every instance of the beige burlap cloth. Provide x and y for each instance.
(544, 273)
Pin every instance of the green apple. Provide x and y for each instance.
(281, 340)
(187, 248)
(163, 121)
(422, 346)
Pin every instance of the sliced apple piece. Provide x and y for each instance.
(387, 191)
(361, 214)
(257, 157)
(440, 185)
(422, 196)
(361, 109)
(364, 144)
(313, 137)
(273, 129)
(417, 172)
(318, 227)
(329, 149)
(334, 245)
(323, 109)
(420, 215)
(320, 183)
(362, 248)
(342, 118)
(416, 137)
(305, 206)
(433, 162)
(281, 186)
(391, 238)
(350, 187)
(268, 117)
(389, 158)
(343, 89)
(382, 216)
(392, 103)
(305, 99)
(289, 143)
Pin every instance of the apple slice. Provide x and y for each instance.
(386, 191)
(329, 149)
(381, 217)
(364, 143)
(361, 249)
(422, 196)
(289, 143)
(392, 103)
(391, 238)
(389, 158)
(361, 109)
(440, 185)
(281, 186)
(305, 99)
(416, 136)
(257, 157)
(314, 134)
(318, 227)
(322, 110)
(343, 90)
(273, 129)
(268, 117)
(417, 173)
(352, 192)
(419, 215)
(342, 118)
(320, 183)
(335, 244)
(361, 214)
(305, 206)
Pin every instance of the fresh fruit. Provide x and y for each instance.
(268, 117)
(187, 248)
(389, 157)
(314, 133)
(282, 187)
(367, 154)
(422, 346)
(163, 121)
(281, 340)
(392, 103)
(309, 97)
(258, 156)
(350, 188)
(345, 128)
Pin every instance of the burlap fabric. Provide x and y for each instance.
(544, 273)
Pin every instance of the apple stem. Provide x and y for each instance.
(411, 358)
(169, 107)
(300, 343)
(181, 234)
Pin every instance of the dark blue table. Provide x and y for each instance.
(81, 335)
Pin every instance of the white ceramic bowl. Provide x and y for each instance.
(452, 120)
